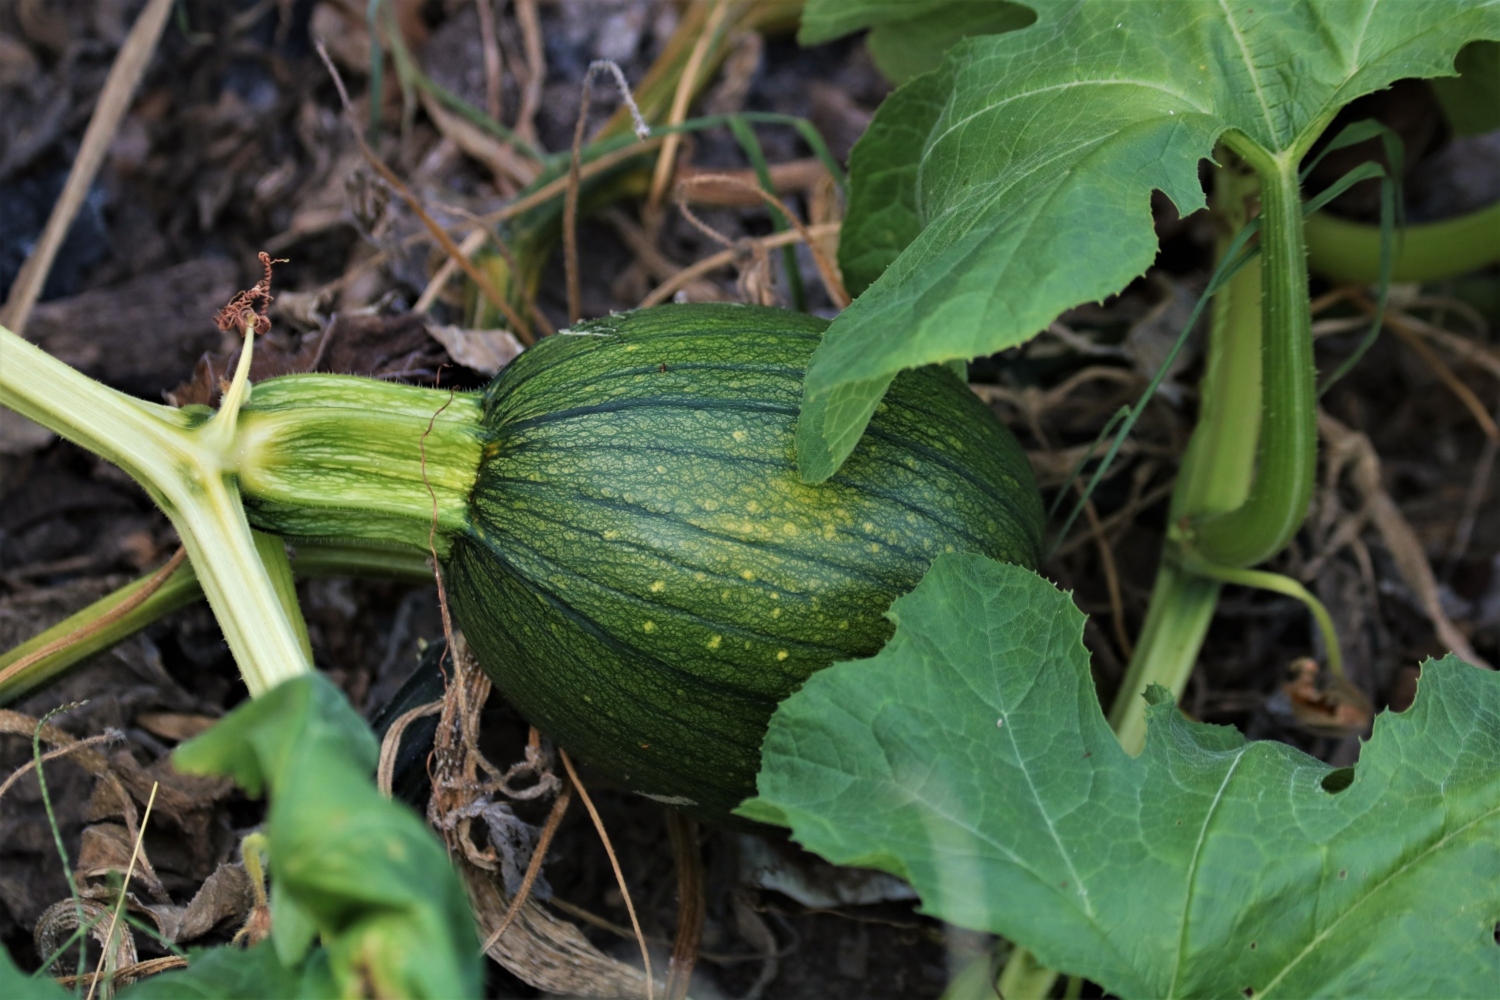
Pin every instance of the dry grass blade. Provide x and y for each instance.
(519, 327)
(119, 89)
(533, 867)
(96, 626)
(114, 918)
(614, 862)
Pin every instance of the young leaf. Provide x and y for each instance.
(362, 871)
(970, 757)
(908, 37)
(1014, 181)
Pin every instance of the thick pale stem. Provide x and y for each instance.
(1215, 476)
(175, 458)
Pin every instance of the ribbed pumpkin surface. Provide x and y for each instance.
(646, 576)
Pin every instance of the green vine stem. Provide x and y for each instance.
(1217, 468)
(184, 461)
(1342, 250)
(1287, 452)
(310, 560)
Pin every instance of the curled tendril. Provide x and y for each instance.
(242, 310)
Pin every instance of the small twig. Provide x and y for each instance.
(588, 803)
(690, 903)
(724, 258)
(827, 270)
(519, 327)
(686, 84)
(1111, 576)
(552, 189)
(1463, 532)
(140, 970)
(25, 769)
(390, 747)
(570, 205)
(533, 867)
(114, 918)
(104, 621)
(490, 46)
(536, 69)
(114, 100)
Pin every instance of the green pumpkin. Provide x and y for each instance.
(645, 576)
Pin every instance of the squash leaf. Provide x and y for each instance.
(908, 37)
(359, 873)
(971, 758)
(1013, 182)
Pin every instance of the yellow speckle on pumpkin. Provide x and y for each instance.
(782, 654)
(611, 535)
(700, 576)
(775, 595)
(752, 507)
(657, 587)
(843, 625)
(867, 526)
(631, 347)
(789, 528)
(873, 547)
(648, 626)
(661, 470)
(775, 612)
(715, 641)
(710, 505)
(739, 436)
(747, 575)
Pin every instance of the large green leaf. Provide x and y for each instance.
(971, 758)
(908, 37)
(1014, 181)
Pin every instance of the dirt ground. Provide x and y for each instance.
(236, 143)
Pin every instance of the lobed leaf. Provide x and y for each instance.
(1014, 181)
(971, 758)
